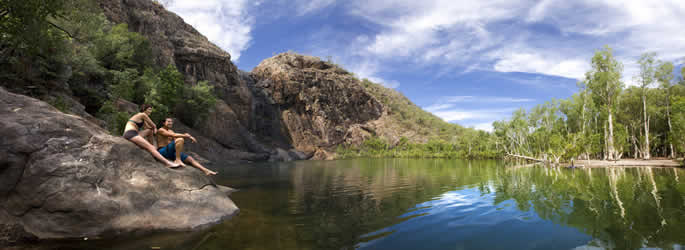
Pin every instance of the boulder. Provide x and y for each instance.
(63, 177)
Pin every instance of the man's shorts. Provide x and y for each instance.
(169, 152)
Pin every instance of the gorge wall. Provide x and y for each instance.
(290, 107)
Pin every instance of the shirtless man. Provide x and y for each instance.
(171, 146)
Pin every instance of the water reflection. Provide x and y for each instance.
(440, 204)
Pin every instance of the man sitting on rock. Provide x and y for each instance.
(171, 146)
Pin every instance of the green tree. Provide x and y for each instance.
(604, 83)
(198, 100)
(664, 76)
(646, 78)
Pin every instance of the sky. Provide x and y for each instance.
(468, 62)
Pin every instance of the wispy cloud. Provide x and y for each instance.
(455, 115)
(448, 103)
(486, 99)
(308, 6)
(454, 109)
(550, 37)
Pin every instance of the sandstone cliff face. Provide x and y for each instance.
(318, 101)
(63, 177)
(288, 101)
(176, 42)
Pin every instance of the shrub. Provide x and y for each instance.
(115, 121)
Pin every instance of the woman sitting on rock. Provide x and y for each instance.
(138, 122)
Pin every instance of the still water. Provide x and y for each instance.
(438, 204)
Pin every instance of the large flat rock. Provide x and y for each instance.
(62, 176)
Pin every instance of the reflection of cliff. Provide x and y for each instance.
(621, 208)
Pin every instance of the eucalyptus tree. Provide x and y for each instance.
(645, 78)
(604, 83)
(632, 121)
(664, 76)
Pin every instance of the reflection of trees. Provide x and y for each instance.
(338, 204)
(621, 208)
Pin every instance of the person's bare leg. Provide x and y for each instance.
(147, 134)
(142, 143)
(196, 164)
(179, 149)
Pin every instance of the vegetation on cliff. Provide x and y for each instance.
(421, 134)
(67, 53)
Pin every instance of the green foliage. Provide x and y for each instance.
(115, 120)
(60, 104)
(409, 117)
(678, 135)
(123, 83)
(120, 49)
(579, 127)
(25, 25)
(198, 100)
(169, 96)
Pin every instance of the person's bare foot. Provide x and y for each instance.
(210, 172)
(179, 162)
(173, 165)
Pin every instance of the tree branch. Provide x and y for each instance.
(63, 30)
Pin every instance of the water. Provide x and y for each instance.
(436, 204)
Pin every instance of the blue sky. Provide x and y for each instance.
(469, 62)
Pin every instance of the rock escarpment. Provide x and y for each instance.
(63, 177)
(290, 107)
(175, 42)
(318, 101)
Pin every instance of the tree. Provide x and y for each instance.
(604, 82)
(664, 75)
(646, 78)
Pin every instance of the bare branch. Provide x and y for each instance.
(62, 29)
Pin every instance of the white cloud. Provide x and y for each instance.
(454, 115)
(536, 63)
(226, 23)
(505, 36)
(369, 69)
(485, 126)
(451, 109)
(449, 102)
(308, 6)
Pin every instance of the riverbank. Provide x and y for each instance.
(628, 163)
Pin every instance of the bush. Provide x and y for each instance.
(198, 100)
(166, 89)
(168, 96)
(115, 120)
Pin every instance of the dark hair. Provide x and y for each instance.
(161, 123)
(144, 107)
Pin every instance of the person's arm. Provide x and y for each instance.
(149, 123)
(168, 133)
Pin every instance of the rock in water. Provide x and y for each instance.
(62, 177)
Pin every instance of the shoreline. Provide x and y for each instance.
(625, 163)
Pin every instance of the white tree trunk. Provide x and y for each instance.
(646, 154)
(670, 128)
(610, 141)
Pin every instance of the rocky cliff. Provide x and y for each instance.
(318, 101)
(290, 105)
(175, 42)
(63, 176)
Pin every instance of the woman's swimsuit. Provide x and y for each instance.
(133, 133)
(138, 124)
